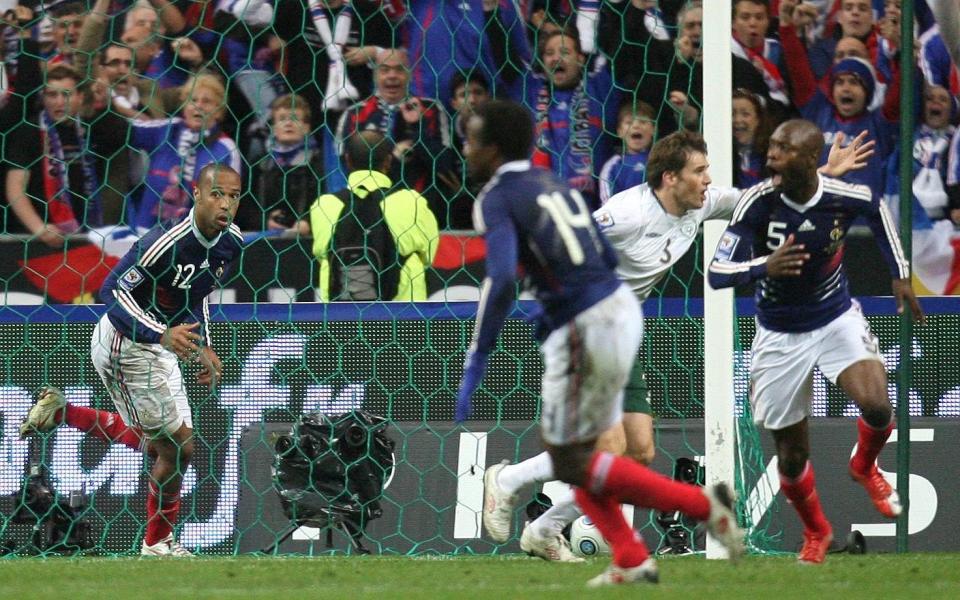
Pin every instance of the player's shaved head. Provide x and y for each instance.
(792, 157)
(803, 135)
(209, 173)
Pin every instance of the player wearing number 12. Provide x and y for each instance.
(157, 313)
(590, 330)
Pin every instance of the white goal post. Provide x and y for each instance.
(718, 426)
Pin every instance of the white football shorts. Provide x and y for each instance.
(781, 370)
(586, 365)
(144, 381)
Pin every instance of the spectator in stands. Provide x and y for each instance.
(636, 126)
(417, 127)
(790, 30)
(572, 110)
(51, 181)
(459, 188)
(330, 46)
(20, 45)
(346, 38)
(287, 180)
(177, 150)
(751, 134)
(634, 32)
(67, 21)
(751, 19)
(640, 60)
(131, 95)
(243, 51)
(667, 75)
(480, 37)
(404, 214)
(846, 110)
(579, 16)
(931, 149)
(855, 18)
(160, 25)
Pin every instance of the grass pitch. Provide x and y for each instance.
(490, 578)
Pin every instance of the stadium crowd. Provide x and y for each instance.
(111, 109)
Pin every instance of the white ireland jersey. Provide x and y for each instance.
(648, 239)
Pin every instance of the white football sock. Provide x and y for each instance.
(563, 512)
(533, 470)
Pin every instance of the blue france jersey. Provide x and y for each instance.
(761, 223)
(531, 219)
(165, 279)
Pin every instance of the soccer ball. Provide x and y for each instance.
(585, 538)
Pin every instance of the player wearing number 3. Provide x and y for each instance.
(590, 330)
(787, 235)
(157, 313)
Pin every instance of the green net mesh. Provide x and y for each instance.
(130, 161)
(153, 95)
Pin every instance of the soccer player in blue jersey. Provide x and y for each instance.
(157, 315)
(787, 235)
(590, 330)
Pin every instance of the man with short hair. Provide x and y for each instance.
(590, 330)
(67, 21)
(157, 315)
(650, 226)
(787, 236)
(51, 182)
(412, 227)
(574, 110)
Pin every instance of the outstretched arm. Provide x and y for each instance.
(854, 156)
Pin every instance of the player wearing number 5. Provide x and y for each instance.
(787, 235)
(590, 330)
(157, 313)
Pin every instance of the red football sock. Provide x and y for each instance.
(161, 514)
(627, 546)
(631, 482)
(106, 426)
(870, 442)
(802, 493)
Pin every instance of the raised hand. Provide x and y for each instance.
(853, 156)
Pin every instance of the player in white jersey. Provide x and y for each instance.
(651, 226)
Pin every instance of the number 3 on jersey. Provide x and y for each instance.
(566, 221)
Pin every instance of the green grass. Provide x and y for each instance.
(491, 578)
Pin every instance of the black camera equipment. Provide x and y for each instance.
(676, 535)
(330, 473)
(57, 526)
